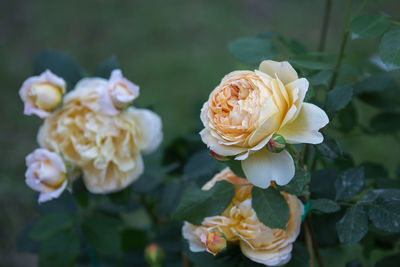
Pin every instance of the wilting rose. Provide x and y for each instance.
(239, 223)
(117, 93)
(41, 94)
(46, 174)
(108, 149)
(247, 108)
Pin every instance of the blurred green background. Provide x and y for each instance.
(175, 50)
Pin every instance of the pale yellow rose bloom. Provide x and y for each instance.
(248, 107)
(107, 148)
(239, 223)
(46, 173)
(41, 94)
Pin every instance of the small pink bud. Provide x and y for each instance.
(215, 241)
(154, 255)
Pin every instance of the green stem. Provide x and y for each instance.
(342, 46)
(325, 24)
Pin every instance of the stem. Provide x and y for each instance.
(148, 209)
(325, 24)
(309, 243)
(314, 244)
(185, 261)
(342, 46)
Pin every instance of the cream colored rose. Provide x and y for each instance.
(239, 223)
(41, 94)
(108, 149)
(117, 94)
(247, 108)
(46, 174)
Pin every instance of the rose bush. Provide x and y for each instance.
(247, 108)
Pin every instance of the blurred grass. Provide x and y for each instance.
(175, 50)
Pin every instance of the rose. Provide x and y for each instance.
(239, 223)
(248, 108)
(117, 94)
(42, 93)
(108, 149)
(46, 174)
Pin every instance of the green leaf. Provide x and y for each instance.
(236, 167)
(349, 183)
(368, 26)
(199, 165)
(337, 99)
(132, 238)
(389, 48)
(389, 261)
(271, 207)
(170, 197)
(323, 183)
(313, 61)
(324, 205)
(252, 50)
(60, 250)
(197, 204)
(51, 224)
(353, 226)
(297, 186)
(300, 256)
(375, 83)
(59, 63)
(321, 78)
(101, 232)
(106, 67)
(148, 182)
(348, 118)
(385, 209)
(386, 122)
(329, 148)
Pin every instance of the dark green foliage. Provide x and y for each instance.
(271, 207)
(106, 67)
(197, 204)
(353, 226)
(252, 50)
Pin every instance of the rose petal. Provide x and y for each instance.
(218, 148)
(46, 196)
(264, 166)
(283, 70)
(304, 129)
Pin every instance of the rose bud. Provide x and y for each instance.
(154, 255)
(46, 174)
(218, 157)
(41, 94)
(276, 144)
(214, 241)
(118, 93)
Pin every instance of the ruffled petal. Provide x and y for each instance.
(304, 129)
(264, 166)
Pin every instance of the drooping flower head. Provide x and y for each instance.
(248, 107)
(239, 224)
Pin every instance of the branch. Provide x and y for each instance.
(325, 24)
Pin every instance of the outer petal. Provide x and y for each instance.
(264, 166)
(149, 125)
(218, 148)
(283, 70)
(304, 129)
(46, 196)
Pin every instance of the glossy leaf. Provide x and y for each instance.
(271, 207)
(389, 48)
(368, 26)
(349, 183)
(353, 226)
(337, 99)
(324, 205)
(197, 204)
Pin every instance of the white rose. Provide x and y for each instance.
(46, 174)
(247, 108)
(41, 94)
